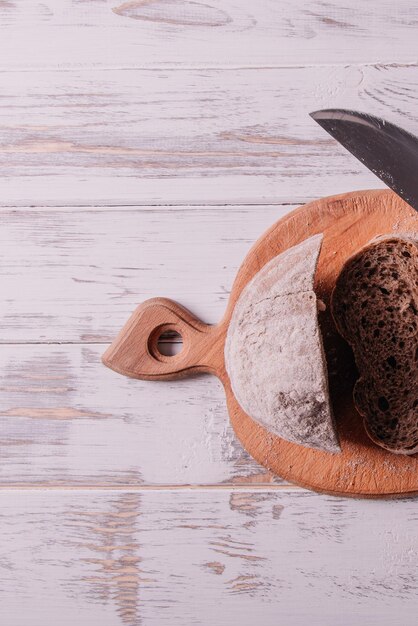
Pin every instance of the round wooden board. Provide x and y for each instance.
(348, 222)
(362, 469)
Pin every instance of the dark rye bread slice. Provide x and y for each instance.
(375, 308)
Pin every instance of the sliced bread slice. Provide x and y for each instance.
(375, 308)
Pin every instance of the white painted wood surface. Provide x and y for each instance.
(67, 420)
(145, 145)
(208, 33)
(124, 558)
(77, 274)
(207, 136)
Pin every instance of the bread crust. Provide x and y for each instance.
(274, 354)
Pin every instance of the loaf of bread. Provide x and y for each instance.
(375, 308)
(274, 354)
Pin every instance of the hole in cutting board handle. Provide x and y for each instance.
(165, 342)
(170, 343)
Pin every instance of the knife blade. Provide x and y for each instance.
(390, 152)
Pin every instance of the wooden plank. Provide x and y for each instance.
(65, 420)
(187, 137)
(206, 557)
(113, 33)
(77, 275)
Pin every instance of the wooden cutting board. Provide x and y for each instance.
(348, 222)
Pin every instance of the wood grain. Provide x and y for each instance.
(135, 351)
(107, 104)
(77, 275)
(206, 557)
(170, 33)
(65, 420)
(139, 137)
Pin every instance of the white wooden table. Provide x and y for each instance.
(143, 148)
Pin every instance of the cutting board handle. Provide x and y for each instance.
(135, 350)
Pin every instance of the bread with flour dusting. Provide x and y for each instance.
(274, 354)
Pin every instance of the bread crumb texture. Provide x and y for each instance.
(375, 307)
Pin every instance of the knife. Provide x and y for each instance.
(387, 150)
